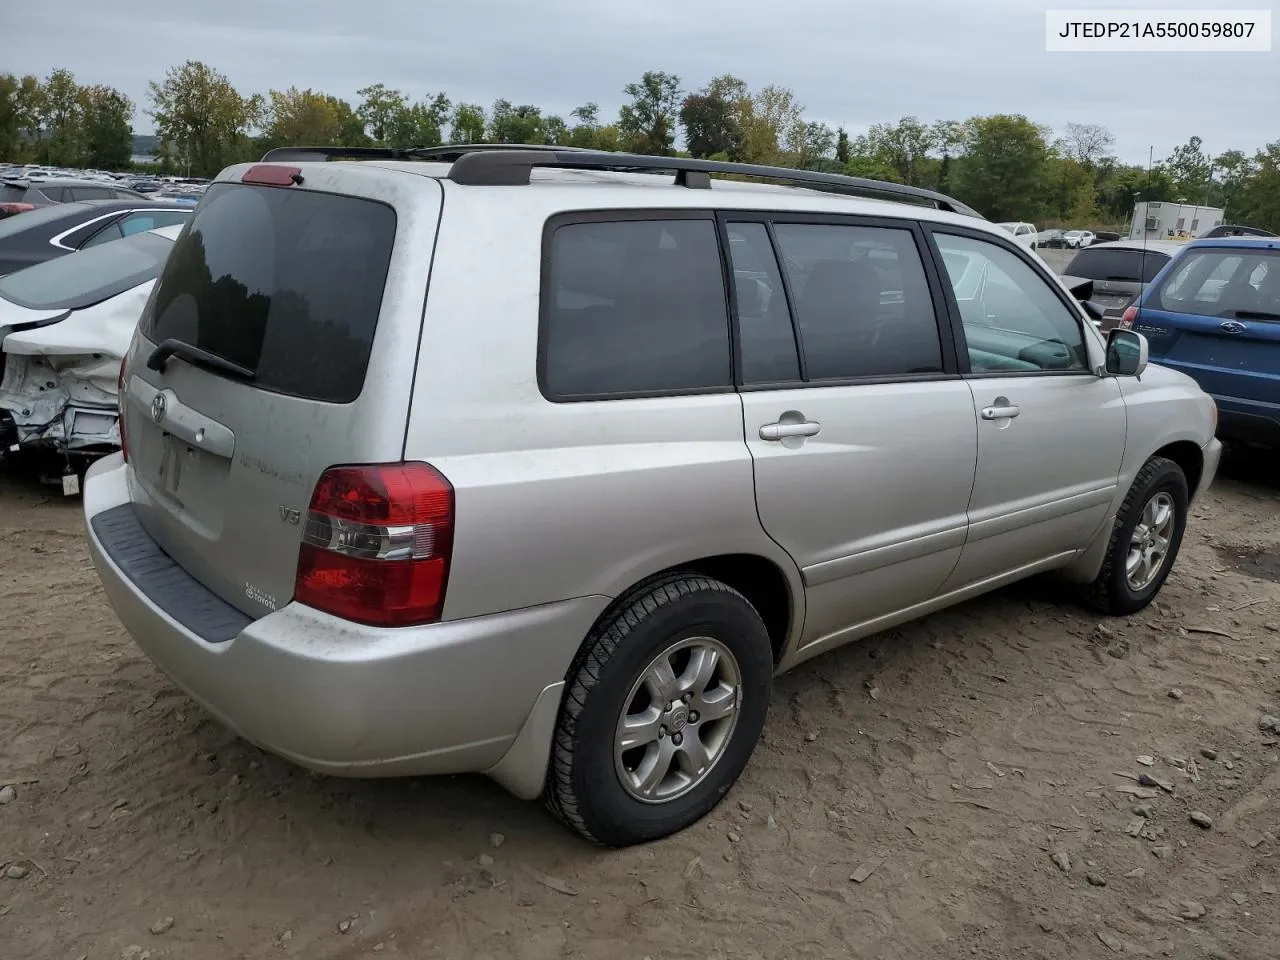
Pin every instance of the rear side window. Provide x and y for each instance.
(766, 338)
(12, 194)
(634, 307)
(1125, 266)
(1222, 283)
(287, 283)
(861, 299)
(90, 193)
(82, 279)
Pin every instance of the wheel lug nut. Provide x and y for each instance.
(668, 704)
(662, 732)
(687, 697)
(693, 717)
(678, 739)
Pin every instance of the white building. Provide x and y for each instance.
(1171, 220)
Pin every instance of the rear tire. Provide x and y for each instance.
(633, 759)
(1145, 539)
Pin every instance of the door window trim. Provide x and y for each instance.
(957, 322)
(946, 333)
(570, 218)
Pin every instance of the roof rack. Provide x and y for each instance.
(494, 164)
(445, 153)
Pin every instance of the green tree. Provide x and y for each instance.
(1235, 170)
(902, 146)
(1189, 168)
(350, 128)
(771, 123)
(468, 124)
(586, 129)
(516, 124)
(648, 123)
(64, 142)
(711, 124)
(202, 121)
(379, 109)
(108, 127)
(842, 146)
(1261, 199)
(302, 118)
(420, 124)
(557, 131)
(11, 140)
(1002, 172)
(813, 144)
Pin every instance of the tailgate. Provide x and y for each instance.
(273, 347)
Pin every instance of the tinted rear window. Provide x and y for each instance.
(634, 307)
(285, 282)
(82, 279)
(1226, 282)
(11, 194)
(1127, 266)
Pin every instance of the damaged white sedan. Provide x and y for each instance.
(65, 325)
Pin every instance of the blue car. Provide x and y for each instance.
(1213, 313)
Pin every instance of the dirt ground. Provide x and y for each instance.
(955, 756)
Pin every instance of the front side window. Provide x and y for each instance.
(861, 300)
(634, 307)
(1013, 320)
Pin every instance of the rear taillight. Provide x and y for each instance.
(376, 544)
(1126, 319)
(124, 443)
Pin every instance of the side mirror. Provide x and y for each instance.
(1127, 353)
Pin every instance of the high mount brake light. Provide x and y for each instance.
(272, 175)
(377, 543)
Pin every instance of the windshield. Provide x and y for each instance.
(82, 279)
(1118, 264)
(1223, 282)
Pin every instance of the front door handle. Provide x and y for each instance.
(782, 429)
(1002, 409)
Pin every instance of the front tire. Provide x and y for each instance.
(662, 711)
(1145, 539)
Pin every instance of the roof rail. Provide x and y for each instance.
(513, 166)
(444, 153)
(501, 164)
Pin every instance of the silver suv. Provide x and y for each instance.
(543, 463)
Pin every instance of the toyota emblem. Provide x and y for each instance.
(157, 407)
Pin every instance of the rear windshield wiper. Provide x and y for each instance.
(1257, 315)
(197, 357)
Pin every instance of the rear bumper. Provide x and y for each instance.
(1248, 421)
(350, 700)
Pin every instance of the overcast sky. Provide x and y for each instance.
(850, 62)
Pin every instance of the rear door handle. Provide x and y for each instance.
(782, 430)
(1001, 410)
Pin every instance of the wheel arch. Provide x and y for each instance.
(776, 593)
